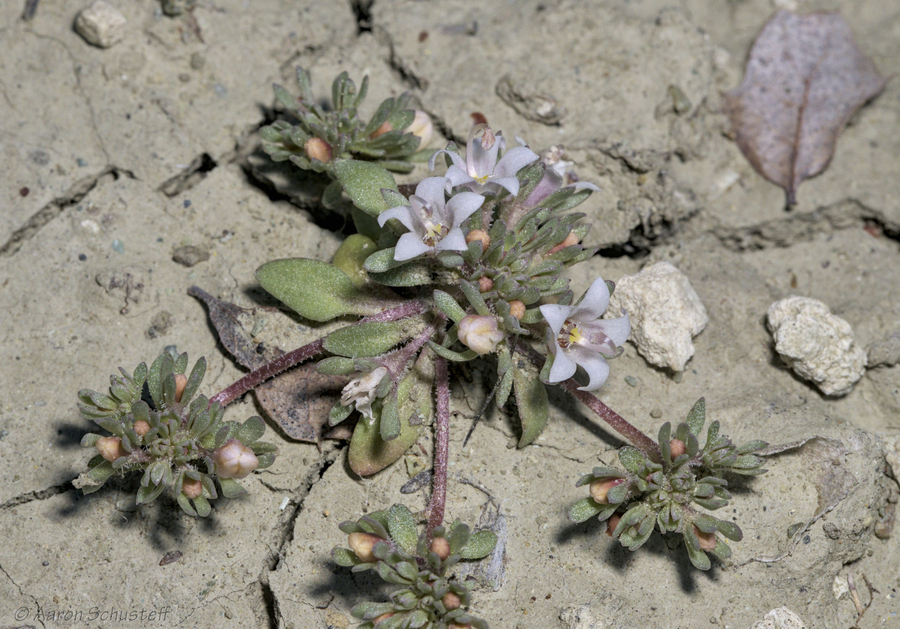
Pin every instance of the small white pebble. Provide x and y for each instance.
(284, 503)
(101, 24)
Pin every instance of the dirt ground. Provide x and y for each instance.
(114, 158)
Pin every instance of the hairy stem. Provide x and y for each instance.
(297, 356)
(618, 423)
(441, 447)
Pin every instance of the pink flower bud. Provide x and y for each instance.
(384, 616)
(422, 127)
(110, 448)
(362, 543)
(485, 284)
(570, 239)
(480, 333)
(384, 128)
(517, 309)
(234, 460)
(318, 149)
(440, 547)
(191, 488)
(180, 384)
(479, 234)
(708, 541)
(612, 523)
(451, 600)
(600, 488)
(677, 447)
(141, 427)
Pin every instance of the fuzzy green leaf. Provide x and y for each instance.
(351, 257)
(251, 430)
(697, 417)
(480, 544)
(370, 339)
(402, 527)
(632, 459)
(585, 509)
(532, 402)
(448, 306)
(345, 558)
(363, 182)
(316, 290)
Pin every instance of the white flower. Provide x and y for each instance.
(578, 336)
(554, 177)
(234, 460)
(433, 223)
(363, 391)
(480, 333)
(481, 172)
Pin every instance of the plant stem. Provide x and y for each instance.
(618, 423)
(297, 356)
(441, 448)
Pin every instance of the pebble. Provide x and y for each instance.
(101, 24)
(816, 345)
(664, 311)
(190, 255)
(118, 246)
(781, 618)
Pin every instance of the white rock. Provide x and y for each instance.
(816, 345)
(781, 618)
(580, 618)
(664, 311)
(101, 24)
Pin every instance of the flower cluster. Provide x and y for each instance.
(177, 443)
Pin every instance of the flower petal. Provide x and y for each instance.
(462, 206)
(402, 213)
(410, 246)
(563, 368)
(453, 241)
(433, 189)
(593, 363)
(510, 183)
(458, 161)
(616, 329)
(594, 302)
(459, 177)
(514, 160)
(556, 316)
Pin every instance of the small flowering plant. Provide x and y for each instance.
(179, 442)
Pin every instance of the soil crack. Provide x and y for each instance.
(43, 494)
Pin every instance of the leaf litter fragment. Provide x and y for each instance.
(804, 80)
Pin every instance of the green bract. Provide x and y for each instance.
(170, 438)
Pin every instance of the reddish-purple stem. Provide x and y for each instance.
(618, 423)
(441, 447)
(297, 356)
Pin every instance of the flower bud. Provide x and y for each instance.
(234, 460)
(517, 309)
(677, 447)
(612, 523)
(422, 127)
(180, 384)
(110, 448)
(456, 625)
(384, 616)
(451, 600)
(141, 427)
(480, 333)
(708, 541)
(318, 149)
(191, 488)
(600, 488)
(362, 543)
(440, 547)
(479, 234)
(570, 239)
(384, 128)
(485, 284)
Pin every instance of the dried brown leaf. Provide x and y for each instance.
(300, 399)
(805, 78)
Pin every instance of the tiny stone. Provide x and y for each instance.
(229, 614)
(82, 257)
(184, 77)
(190, 255)
(23, 191)
(81, 162)
(45, 563)
(631, 381)
(197, 61)
(656, 413)
(118, 246)
(3, 434)
(187, 203)
(101, 24)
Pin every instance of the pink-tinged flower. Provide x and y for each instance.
(433, 222)
(481, 171)
(234, 460)
(363, 391)
(578, 336)
(554, 178)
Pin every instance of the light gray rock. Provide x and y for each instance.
(781, 618)
(816, 345)
(664, 311)
(101, 24)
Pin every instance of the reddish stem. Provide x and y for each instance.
(441, 448)
(297, 356)
(618, 423)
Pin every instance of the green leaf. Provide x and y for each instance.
(632, 459)
(351, 256)
(389, 419)
(316, 290)
(363, 182)
(697, 417)
(231, 488)
(532, 402)
(371, 339)
(344, 557)
(251, 430)
(456, 357)
(480, 544)
(585, 509)
(402, 527)
(448, 306)
(410, 274)
(695, 553)
(335, 366)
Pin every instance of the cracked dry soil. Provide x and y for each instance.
(113, 159)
